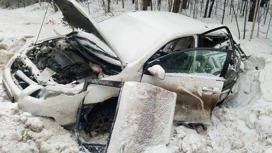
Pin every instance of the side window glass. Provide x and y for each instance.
(184, 43)
(173, 46)
(179, 44)
(200, 61)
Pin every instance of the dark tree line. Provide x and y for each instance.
(19, 3)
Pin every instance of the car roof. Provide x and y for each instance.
(135, 34)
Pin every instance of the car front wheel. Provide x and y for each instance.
(100, 121)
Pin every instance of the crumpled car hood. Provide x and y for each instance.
(75, 15)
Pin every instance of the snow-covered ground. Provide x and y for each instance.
(242, 124)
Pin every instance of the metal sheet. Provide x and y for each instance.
(144, 118)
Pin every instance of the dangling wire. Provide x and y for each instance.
(42, 23)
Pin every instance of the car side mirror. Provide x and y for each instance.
(157, 71)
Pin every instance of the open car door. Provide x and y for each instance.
(197, 76)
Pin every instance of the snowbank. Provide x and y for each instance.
(22, 132)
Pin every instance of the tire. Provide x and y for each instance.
(100, 121)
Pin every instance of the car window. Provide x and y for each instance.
(216, 39)
(194, 61)
(179, 44)
(173, 46)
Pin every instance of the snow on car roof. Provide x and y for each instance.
(135, 34)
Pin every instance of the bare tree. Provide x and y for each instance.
(224, 10)
(268, 26)
(195, 9)
(201, 7)
(184, 4)
(216, 6)
(159, 5)
(243, 10)
(246, 4)
(267, 10)
(259, 20)
(235, 15)
(145, 4)
(252, 10)
(140, 4)
(211, 7)
(206, 8)
(109, 1)
(254, 19)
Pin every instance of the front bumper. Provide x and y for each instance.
(61, 107)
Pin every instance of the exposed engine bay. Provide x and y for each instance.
(67, 59)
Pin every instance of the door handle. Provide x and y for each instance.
(210, 90)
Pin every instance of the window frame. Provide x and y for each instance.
(199, 40)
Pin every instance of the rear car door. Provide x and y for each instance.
(197, 76)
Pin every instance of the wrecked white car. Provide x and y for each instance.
(168, 50)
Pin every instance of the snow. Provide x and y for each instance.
(22, 132)
(242, 124)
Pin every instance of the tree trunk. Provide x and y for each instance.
(268, 26)
(241, 7)
(267, 10)
(145, 4)
(109, 6)
(184, 4)
(246, 3)
(252, 10)
(254, 19)
(223, 12)
(206, 9)
(136, 5)
(176, 6)
(123, 3)
(211, 7)
(243, 13)
(235, 15)
(191, 7)
(140, 4)
(104, 6)
(195, 11)
(216, 6)
(159, 5)
(259, 20)
(170, 5)
(180, 6)
(201, 7)
(231, 3)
